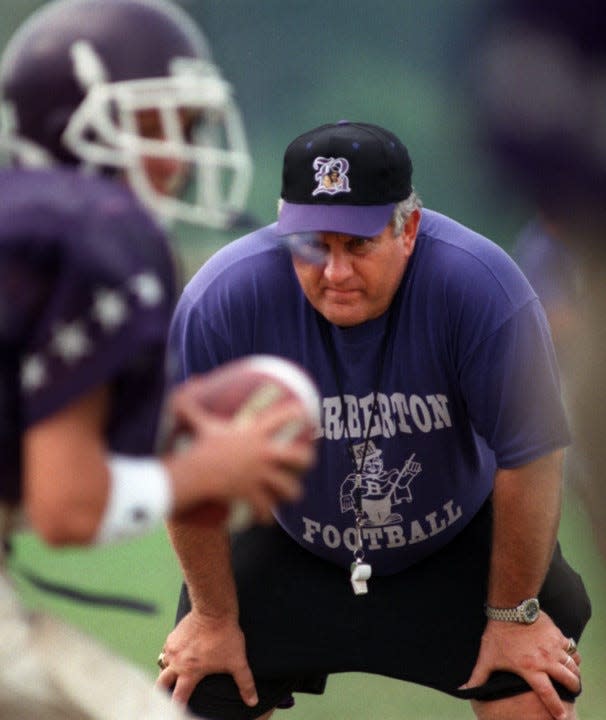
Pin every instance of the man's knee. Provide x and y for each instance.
(526, 705)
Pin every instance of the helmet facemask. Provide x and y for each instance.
(214, 178)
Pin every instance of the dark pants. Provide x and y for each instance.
(302, 620)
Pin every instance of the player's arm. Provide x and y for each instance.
(526, 512)
(208, 640)
(77, 492)
(64, 471)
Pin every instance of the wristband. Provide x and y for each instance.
(140, 496)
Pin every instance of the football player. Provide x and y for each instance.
(115, 120)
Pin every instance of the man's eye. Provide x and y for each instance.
(318, 245)
(357, 243)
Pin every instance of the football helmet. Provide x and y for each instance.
(76, 75)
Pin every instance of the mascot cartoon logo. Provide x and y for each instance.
(379, 490)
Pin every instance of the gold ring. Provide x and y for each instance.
(161, 662)
(572, 646)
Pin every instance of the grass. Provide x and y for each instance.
(147, 569)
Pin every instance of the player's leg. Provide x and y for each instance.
(25, 692)
(50, 671)
(94, 680)
(527, 706)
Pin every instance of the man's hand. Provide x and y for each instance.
(201, 645)
(536, 652)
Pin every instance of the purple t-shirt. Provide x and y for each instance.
(87, 288)
(469, 383)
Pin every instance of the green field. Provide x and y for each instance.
(147, 569)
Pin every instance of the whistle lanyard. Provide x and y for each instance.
(361, 571)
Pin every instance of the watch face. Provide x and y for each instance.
(530, 610)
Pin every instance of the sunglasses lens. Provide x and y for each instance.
(307, 247)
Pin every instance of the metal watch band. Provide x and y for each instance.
(526, 612)
(504, 614)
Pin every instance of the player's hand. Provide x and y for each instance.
(536, 652)
(199, 646)
(234, 460)
(245, 460)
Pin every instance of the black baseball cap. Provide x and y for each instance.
(345, 177)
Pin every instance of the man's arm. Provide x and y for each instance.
(526, 507)
(207, 640)
(526, 516)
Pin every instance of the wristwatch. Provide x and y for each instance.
(526, 612)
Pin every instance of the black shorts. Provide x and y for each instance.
(303, 622)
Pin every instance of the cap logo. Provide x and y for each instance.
(331, 176)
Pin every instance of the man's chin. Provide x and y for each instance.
(343, 315)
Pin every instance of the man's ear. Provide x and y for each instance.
(411, 227)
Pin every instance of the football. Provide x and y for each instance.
(245, 387)
(242, 389)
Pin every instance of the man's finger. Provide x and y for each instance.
(568, 662)
(246, 685)
(166, 679)
(548, 696)
(184, 687)
(477, 678)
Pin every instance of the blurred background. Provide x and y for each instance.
(295, 64)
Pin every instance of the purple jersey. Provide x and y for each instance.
(469, 383)
(87, 287)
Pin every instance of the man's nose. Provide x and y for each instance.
(338, 265)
